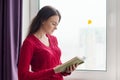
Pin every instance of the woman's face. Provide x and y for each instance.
(51, 24)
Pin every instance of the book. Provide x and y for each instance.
(74, 60)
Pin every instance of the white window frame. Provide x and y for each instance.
(113, 44)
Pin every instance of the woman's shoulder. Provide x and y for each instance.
(29, 39)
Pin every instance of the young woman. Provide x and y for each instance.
(40, 54)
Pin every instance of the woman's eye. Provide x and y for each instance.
(54, 24)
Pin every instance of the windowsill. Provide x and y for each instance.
(72, 79)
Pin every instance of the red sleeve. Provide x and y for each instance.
(65, 74)
(26, 53)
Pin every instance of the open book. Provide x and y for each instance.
(74, 60)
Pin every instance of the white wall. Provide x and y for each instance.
(25, 18)
(118, 39)
(34, 6)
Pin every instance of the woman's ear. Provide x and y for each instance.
(43, 22)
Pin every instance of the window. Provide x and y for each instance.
(82, 31)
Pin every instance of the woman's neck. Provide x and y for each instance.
(42, 37)
(40, 34)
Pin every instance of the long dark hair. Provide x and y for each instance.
(43, 14)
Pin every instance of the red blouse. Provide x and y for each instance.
(41, 58)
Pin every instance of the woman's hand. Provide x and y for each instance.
(71, 68)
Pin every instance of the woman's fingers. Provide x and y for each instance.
(74, 66)
(68, 70)
(71, 68)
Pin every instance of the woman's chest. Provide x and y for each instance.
(44, 55)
